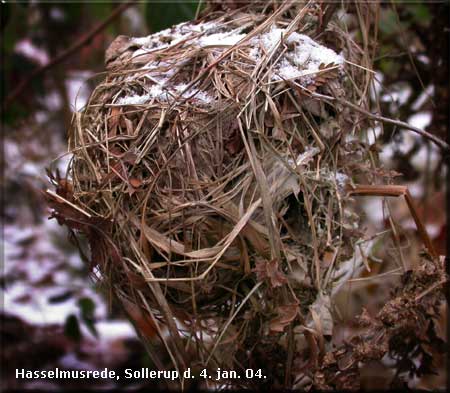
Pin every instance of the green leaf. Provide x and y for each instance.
(161, 15)
(90, 324)
(15, 113)
(388, 22)
(391, 24)
(72, 328)
(420, 13)
(99, 10)
(87, 309)
(14, 29)
(389, 66)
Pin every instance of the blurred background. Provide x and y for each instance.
(53, 314)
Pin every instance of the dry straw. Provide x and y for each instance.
(210, 179)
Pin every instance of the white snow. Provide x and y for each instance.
(134, 100)
(398, 94)
(372, 134)
(307, 57)
(220, 39)
(308, 50)
(151, 41)
(301, 61)
(32, 258)
(407, 140)
(37, 310)
(114, 329)
(166, 94)
(174, 35)
(423, 98)
(271, 39)
(197, 94)
(342, 179)
(420, 119)
(77, 89)
(26, 48)
(376, 86)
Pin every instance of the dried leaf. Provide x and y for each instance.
(129, 126)
(141, 318)
(268, 270)
(321, 321)
(286, 314)
(234, 144)
(327, 259)
(113, 120)
(135, 182)
(129, 157)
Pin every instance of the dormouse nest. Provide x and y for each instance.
(210, 173)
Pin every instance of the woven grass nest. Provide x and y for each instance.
(211, 168)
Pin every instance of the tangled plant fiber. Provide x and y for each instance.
(209, 175)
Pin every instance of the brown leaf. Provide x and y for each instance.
(115, 151)
(113, 120)
(235, 144)
(117, 47)
(268, 270)
(117, 170)
(65, 189)
(66, 214)
(136, 280)
(129, 157)
(99, 250)
(96, 229)
(286, 314)
(129, 126)
(135, 182)
(327, 258)
(143, 322)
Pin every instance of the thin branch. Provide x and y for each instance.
(397, 191)
(438, 141)
(329, 12)
(20, 89)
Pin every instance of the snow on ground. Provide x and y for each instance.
(26, 48)
(44, 275)
(38, 273)
(77, 89)
(426, 155)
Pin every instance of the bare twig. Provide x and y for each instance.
(62, 200)
(20, 89)
(438, 141)
(396, 191)
(330, 10)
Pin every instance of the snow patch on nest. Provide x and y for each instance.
(161, 93)
(302, 59)
(174, 35)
